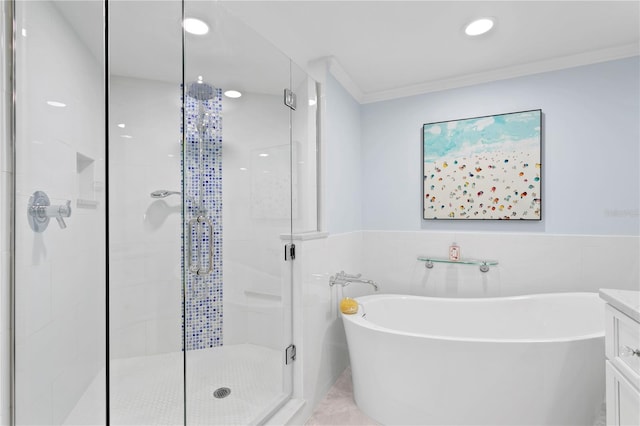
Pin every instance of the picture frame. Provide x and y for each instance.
(483, 168)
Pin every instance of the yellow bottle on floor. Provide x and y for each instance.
(348, 306)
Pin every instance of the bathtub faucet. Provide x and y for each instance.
(345, 279)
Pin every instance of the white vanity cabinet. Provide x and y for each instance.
(622, 347)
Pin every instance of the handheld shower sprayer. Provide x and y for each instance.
(163, 193)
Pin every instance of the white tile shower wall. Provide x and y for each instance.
(5, 339)
(145, 233)
(304, 164)
(145, 258)
(6, 176)
(318, 330)
(60, 342)
(528, 263)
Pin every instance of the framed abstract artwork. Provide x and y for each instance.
(483, 168)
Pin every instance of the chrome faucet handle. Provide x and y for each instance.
(61, 222)
(40, 211)
(63, 211)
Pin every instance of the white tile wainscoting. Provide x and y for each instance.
(528, 263)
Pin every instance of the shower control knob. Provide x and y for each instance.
(40, 211)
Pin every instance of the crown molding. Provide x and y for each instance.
(580, 59)
(345, 79)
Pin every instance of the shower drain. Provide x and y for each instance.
(221, 393)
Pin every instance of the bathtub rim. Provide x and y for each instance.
(359, 321)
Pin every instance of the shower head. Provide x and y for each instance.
(163, 193)
(201, 91)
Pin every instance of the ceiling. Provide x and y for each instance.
(376, 49)
(386, 49)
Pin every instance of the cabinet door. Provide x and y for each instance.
(623, 399)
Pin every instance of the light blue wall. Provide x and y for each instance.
(343, 160)
(591, 155)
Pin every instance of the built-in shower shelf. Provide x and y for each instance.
(86, 204)
(262, 295)
(483, 264)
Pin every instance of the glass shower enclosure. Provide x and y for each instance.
(160, 175)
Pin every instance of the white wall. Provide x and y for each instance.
(318, 331)
(587, 240)
(591, 193)
(588, 237)
(590, 150)
(60, 273)
(528, 263)
(342, 168)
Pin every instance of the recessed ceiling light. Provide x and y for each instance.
(479, 26)
(121, 125)
(243, 168)
(195, 26)
(263, 155)
(232, 94)
(126, 136)
(56, 104)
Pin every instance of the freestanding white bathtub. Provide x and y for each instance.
(527, 360)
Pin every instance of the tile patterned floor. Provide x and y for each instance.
(338, 408)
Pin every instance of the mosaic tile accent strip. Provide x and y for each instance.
(202, 175)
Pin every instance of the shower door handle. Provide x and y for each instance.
(196, 225)
(209, 265)
(193, 223)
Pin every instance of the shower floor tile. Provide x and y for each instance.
(148, 390)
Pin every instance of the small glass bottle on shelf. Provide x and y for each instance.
(454, 252)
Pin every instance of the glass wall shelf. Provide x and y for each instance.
(483, 264)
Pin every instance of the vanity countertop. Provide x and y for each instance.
(626, 301)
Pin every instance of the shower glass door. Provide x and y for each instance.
(145, 213)
(237, 182)
(202, 192)
(60, 223)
